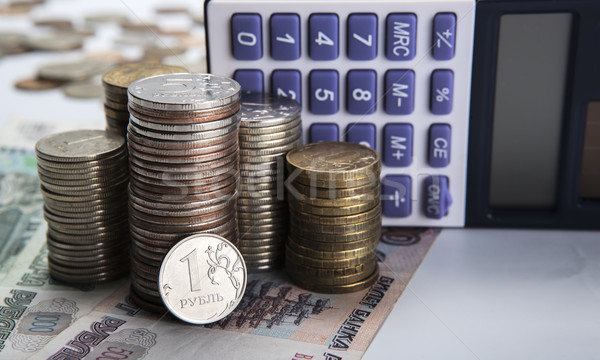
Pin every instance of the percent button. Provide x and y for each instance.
(442, 90)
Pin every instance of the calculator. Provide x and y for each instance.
(393, 75)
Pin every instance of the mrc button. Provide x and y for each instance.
(437, 197)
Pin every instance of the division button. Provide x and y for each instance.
(246, 36)
(362, 36)
(396, 196)
(361, 133)
(399, 92)
(322, 132)
(324, 37)
(437, 197)
(398, 145)
(324, 92)
(285, 36)
(250, 80)
(287, 83)
(439, 145)
(444, 35)
(442, 91)
(401, 36)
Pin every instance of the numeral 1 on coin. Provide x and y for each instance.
(192, 260)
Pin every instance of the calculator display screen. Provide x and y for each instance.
(533, 53)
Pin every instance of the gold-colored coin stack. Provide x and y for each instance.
(116, 82)
(335, 216)
(269, 128)
(84, 180)
(183, 156)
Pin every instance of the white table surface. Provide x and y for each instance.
(499, 294)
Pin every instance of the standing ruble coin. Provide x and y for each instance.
(202, 278)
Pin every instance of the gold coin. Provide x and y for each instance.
(331, 276)
(293, 257)
(300, 223)
(340, 202)
(334, 246)
(374, 232)
(338, 289)
(313, 192)
(335, 220)
(347, 161)
(333, 211)
(331, 255)
(122, 76)
(332, 181)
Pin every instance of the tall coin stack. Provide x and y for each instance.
(335, 216)
(117, 80)
(183, 156)
(84, 180)
(269, 128)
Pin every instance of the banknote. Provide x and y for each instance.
(275, 319)
(20, 204)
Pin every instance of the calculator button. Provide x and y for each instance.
(250, 80)
(361, 133)
(396, 196)
(324, 39)
(401, 36)
(439, 145)
(324, 92)
(360, 91)
(398, 143)
(442, 89)
(247, 36)
(444, 33)
(399, 92)
(362, 36)
(285, 36)
(287, 83)
(321, 132)
(437, 197)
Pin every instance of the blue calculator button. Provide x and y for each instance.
(324, 92)
(285, 36)
(401, 36)
(397, 145)
(444, 35)
(247, 36)
(360, 91)
(250, 80)
(287, 83)
(442, 89)
(439, 145)
(396, 196)
(361, 133)
(321, 132)
(324, 37)
(437, 197)
(362, 36)
(399, 92)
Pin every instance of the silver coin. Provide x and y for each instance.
(287, 134)
(204, 126)
(83, 90)
(72, 71)
(55, 42)
(166, 153)
(184, 91)
(79, 145)
(269, 129)
(184, 136)
(260, 110)
(214, 281)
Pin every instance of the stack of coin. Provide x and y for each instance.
(116, 82)
(270, 127)
(335, 216)
(84, 183)
(183, 156)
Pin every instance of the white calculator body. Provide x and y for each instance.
(394, 75)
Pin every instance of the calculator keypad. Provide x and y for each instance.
(390, 74)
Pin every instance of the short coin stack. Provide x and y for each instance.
(269, 128)
(183, 156)
(116, 82)
(335, 216)
(84, 183)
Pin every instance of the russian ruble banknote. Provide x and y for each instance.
(275, 320)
